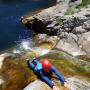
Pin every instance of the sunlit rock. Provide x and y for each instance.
(2, 58)
(37, 85)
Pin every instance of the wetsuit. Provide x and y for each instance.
(42, 74)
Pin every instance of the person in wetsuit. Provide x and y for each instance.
(44, 70)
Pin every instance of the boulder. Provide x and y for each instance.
(70, 45)
(80, 30)
(44, 21)
(85, 42)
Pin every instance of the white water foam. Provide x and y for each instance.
(28, 46)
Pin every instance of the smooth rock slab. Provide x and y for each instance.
(37, 85)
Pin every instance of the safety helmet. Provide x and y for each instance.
(46, 64)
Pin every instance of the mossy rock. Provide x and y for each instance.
(84, 57)
(83, 4)
(67, 66)
(16, 74)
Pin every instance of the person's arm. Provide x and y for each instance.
(30, 64)
(60, 76)
(36, 61)
(34, 64)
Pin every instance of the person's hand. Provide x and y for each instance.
(66, 85)
(55, 88)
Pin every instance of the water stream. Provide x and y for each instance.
(11, 29)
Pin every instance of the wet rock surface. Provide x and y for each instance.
(65, 36)
(37, 85)
(73, 33)
(14, 74)
(18, 76)
(75, 84)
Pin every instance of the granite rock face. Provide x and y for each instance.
(74, 33)
(71, 29)
(44, 21)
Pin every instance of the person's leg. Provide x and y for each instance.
(47, 80)
(60, 76)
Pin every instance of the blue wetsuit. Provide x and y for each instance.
(45, 76)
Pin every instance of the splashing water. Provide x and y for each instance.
(28, 46)
(40, 51)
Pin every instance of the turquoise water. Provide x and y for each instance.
(11, 30)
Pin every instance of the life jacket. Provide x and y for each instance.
(38, 66)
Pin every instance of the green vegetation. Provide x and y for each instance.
(69, 11)
(83, 4)
(59, 21)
